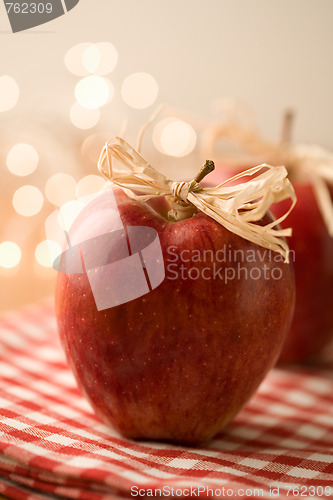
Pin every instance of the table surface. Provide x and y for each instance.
(53, 446)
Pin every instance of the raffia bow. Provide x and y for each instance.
(236, 207)
(304, 162)
(312, 164)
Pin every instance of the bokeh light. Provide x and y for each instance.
(28, 200)
(93, 91)
(100, 58)
(68, 213)
(10, 254)
(60, 188)
(92, 146)
(9, 93)
(89, 184)
(87, 58)
(22, 159)
(139, 90)
(174, 137)
(91, 58)
(46, 252)
(74, 59)
(84, 118)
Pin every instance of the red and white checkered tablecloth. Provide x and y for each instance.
(53, 446)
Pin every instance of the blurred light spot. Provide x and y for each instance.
(108, 58)
(68, 213)
(92, 147)
(174, 137)
(91, 58)
(93, 92)
(74, 59)
(9, 92)
(86, 58)
(46, 252)
(100, 58)
(89, 184)
(60, 188)
(10, 254)
(84, 118)
(139, 90)
(28, 200)
(22, 159)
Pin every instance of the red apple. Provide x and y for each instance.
(179, 362)
(312, 254)
(312, 326)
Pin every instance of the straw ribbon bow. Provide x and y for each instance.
(237, 207)
(315, 164)
(306, 163)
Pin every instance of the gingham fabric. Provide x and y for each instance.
(53, 446)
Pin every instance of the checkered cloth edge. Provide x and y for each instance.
(53, 446)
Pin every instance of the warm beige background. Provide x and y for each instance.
(271, 54)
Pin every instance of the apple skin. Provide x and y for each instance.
(312, 326)
(312, 253)
(178, 363)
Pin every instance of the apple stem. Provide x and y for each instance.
(287, 126)
(182, 208)
(206, 169)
